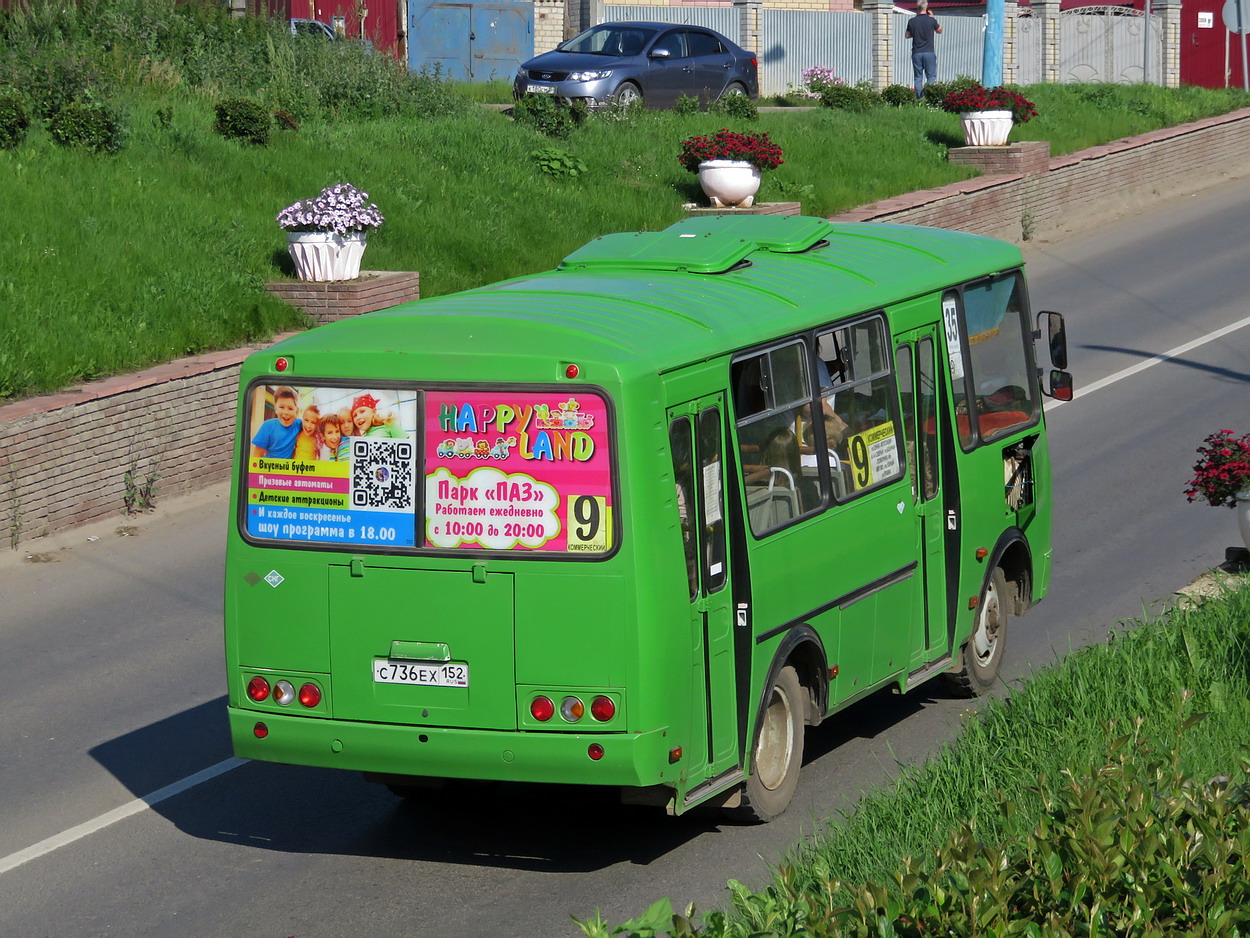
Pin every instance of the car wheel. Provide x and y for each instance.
(733, 91)
(778, 753)
(627, 94)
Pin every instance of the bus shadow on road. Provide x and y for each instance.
(302, 810)
(553, 828)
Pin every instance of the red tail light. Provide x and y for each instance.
(602, 709)
(542, 709)
(595, 751)
(260, 731)
(310, 695)
(258, 689)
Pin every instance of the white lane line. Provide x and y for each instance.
(1142, 366)
(56, 841)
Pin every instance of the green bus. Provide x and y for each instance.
(640, 520)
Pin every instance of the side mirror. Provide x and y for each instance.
(1060, 385)
(660, 54)
(1057, 337)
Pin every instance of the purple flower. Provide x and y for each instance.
(341, 208)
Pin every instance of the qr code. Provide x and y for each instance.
(382, 474)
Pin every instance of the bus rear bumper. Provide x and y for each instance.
(629, 759)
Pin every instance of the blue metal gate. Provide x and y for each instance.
(470, 41)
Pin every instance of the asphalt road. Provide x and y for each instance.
(111, 681)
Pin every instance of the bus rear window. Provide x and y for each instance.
(504, 470)
(517, 470)
(331, 465)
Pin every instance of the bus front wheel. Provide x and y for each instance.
(778, 752)
(982, 654)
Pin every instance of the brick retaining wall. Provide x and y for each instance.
(66, 456)
(1077, 188)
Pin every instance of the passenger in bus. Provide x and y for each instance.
(780, 451)
(276, 436)
(308, 444)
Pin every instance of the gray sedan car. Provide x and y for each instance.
(656, 63)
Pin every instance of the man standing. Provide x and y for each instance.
(921, 29)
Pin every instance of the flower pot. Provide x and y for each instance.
(729, 183)
(986, 128)
(323, 256)
(1243, 517)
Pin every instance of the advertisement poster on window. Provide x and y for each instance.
(518, 470)
(332, 465)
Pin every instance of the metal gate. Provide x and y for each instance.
(470, 41)
(1107, 44)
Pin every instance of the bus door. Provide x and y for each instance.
(925, 430)
(697, 440)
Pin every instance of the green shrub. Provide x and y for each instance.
(14, 120)
(936, 91)
(737, 106)
(898, 95)
(556, 162)
(853, 98)
(92, 125)
(52, 78)
(687, 104)
(243, 120)
(547, 115)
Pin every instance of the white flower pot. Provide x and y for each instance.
(1243, 517)
(729, 183)
(986, 128)
(322, 256)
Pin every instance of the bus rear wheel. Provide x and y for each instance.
(982, 654)
(778, 752)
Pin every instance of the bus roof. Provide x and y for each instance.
(652, 301)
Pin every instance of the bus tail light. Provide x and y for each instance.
(602, 709)
(310, 695)
(595, 751)
(260, 731)
(258, 688)
(572, 709)
(542, 709)
(283, 693)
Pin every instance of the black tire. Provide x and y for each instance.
(735, 90)
(778, 752)
(982, 655)
(627, 94)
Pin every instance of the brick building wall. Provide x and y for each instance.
(67, 456)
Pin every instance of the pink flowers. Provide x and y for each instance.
(339, 209)
(725, 144)
(1222, 470)
(980, 98)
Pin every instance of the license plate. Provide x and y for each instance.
(426, 673)
(541, 89)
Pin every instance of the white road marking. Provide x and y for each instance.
(1161, 357)
(56, 841)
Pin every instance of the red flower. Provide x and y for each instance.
(1222, 470)
(725, 144)
(980, 98)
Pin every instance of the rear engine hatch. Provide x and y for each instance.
(427, 647)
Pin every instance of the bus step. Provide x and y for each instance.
(721, 784)
(932, 669)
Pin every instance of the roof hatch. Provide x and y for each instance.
(710, 244)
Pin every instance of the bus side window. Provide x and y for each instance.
(860, 405)
(680, 443)
(773, 407)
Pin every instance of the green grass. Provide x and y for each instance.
(1146, 683)
(163, 249)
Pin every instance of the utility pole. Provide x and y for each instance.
(992, 51)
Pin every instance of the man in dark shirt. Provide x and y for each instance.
(921, 29)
